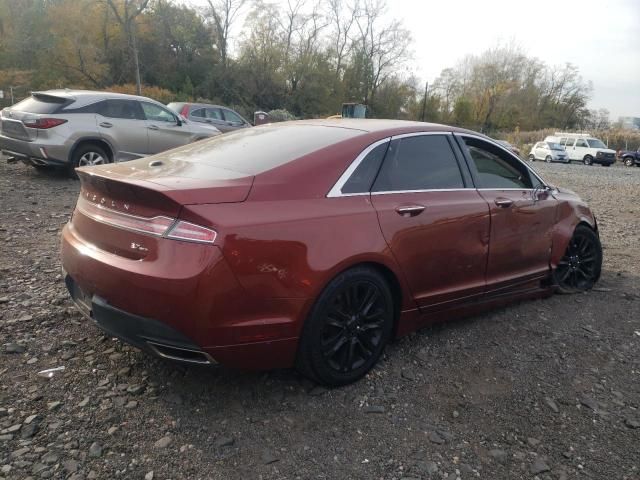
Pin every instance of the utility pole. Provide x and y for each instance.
(424, 103)
(11, 93)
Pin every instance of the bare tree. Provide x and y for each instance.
(343, 18)
(223, 14)
(127, 20)
(384, 47)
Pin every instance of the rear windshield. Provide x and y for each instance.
(40, 104)
(256, 150)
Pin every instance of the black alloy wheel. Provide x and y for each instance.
(348, 328)
(579, 269)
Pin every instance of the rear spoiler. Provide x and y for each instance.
(47, 97)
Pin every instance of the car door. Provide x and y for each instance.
(569, 147)
(540, 152)
(581, 149)
(164, 129)
(121, 123)
(522, 216)
(233, 120)
(435, 223)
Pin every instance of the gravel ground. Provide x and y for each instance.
(548, 389)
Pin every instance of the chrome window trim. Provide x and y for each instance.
(390, 192)
(493, 142)
(336, 191)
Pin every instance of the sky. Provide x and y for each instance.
(600, 37)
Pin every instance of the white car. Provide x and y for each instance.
(584, 148)
(549, 152)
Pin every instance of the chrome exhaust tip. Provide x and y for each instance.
(180, 354)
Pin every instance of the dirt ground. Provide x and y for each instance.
(548, 389)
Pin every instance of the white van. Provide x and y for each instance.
(584, 148)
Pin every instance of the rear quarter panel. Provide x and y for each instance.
(293, 248)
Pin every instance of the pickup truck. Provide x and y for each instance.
(630, 158)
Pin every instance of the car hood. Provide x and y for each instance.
(202, 129)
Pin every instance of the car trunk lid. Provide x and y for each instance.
(128, 209)
(38, 106)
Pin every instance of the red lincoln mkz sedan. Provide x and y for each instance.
(314, 243)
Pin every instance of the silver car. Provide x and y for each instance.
(72, 128)
(549, 152)
(223, 118)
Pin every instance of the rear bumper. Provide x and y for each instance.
(185, 301)
(147, 334)
(34, 153)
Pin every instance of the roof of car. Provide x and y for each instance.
(380, 125)
(65, 92)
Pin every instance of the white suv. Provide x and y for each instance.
(584, 148)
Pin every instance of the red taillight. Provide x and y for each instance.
(185, 111)
(152, 226)
(159, 226)
(44, 123)
(190, 231)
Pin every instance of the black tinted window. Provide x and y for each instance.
(362, 178)
(41, 104)
(419, 163)
(126, 109)
(496, 168)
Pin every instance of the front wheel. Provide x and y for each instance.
(588, 160)
(579, 269)
(628, 161)
(347, 329)
(548, 159)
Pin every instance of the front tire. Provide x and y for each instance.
(548, 159)
(347, 329)
(588, 160)
(628, 161)
(579, 269)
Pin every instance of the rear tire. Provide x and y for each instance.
(580, 267)
(588, 160)
(87, 155)
(347, 328)
(532, 158)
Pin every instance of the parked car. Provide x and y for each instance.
(314, 243)
(549, 152)
(584, 148)
(75, 128)
(223, 118)
(630, 158)
(509, 146)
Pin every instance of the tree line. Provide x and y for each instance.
(303, 56)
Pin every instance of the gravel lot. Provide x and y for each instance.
(547, 389)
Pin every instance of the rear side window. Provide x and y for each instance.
(581, 143)
(569, 142)
(214, 113)
(423, 162)
(126, 109)
(362, 178)
(41, 104)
